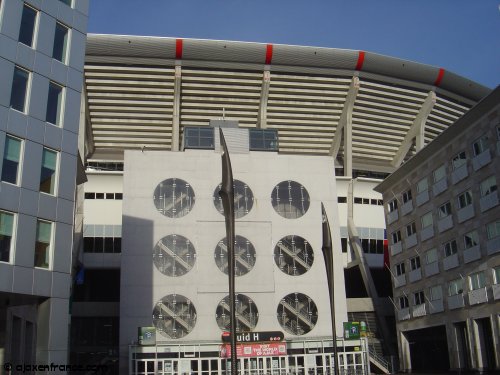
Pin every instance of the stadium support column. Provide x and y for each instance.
(177, 108)
(416, 131)
(264, 95)
(344, 128)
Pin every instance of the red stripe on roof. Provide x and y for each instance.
(269, 54)
(361, 59)
(178, 49)
(439, 77)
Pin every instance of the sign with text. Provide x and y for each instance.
(351, 330)
(267, 336)
(254, 350)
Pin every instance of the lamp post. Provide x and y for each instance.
(328, 256)
(227, 195)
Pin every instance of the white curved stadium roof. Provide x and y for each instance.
(142, 91)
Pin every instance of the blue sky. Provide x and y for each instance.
(462, 36)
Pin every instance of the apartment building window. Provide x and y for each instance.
(426, 220)
(459, 160)
(435, 293)
(488, 186)
(455, 287)
(450, 248)
(411, 229)
(342, 200)
(444, 210)
(493, 230)
(403, 302)
(11, 159)
(477, 280)
(406, 196)
(393, 205)
(496, 274)
(471, 239)
(422, 185)
(19, 89)
(43, 245)
(415, 263)
(27, 27)
(480, 145)
(396, 237)
(419, 298)
(54, 104)
(439, 173)
(67, 2)
(465, 199)
(102, 244)
(59, 51)
(6, 235)
(48, 172)
(431, 256)
(400, 269)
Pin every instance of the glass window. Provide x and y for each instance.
(54, 104)
(493, 230)
(459, 160)
(174, 197)
(450, 248)
(403, 302)
(263, 139)
(27, 27)
(342, 199)
(477, 280)
(488, 186)
(431, 256)
(393, 205)
(406, 196)
(480, 145)
(59, 52)
(471, 239)
(67, 2)
(43, 244)
(435, 293)
(290, 199)
(243, 199)
(439, 173)
(19, 89)
(411, 229)
(396, 236)
(465, 199)
(11, 159)
(415, 263)
(6, 235)
(48, 172)
(419, 298)
(426, 220)
(444, 210)
(422, 185)
(400, 269)
(496, 274)
(456, 287)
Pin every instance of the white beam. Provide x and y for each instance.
(416, 131)
(264, 95)
(177, 108)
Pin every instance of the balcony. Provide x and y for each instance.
(496, 291)
(404, 314)
(471, 254)
(426, 233)
(465, 213)
(445, 223)
(478, 296)
(450, 262)
(396, 248)
(392, 217)
(459, 174)
(422, 197)
(411, 241)
(415, 275)
(399, 281)
(436, 306)
(488, 201)
(456, 301)
(439, 186)
(406, 208)
(431, 269)
(481, 160)
(419, 310)
(493, 245)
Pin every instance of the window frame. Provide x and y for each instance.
(496, 275)
(423, 185)
(403, 302)
(471, 239)
(464, 199)
(12, 240)
(439, 173)
(433, 296)
(396, 235)
(488, 186)
(431, 256)
(59, 104)
(65, 47)
(411, 229)
(455, 287)
(19, 161)
(490, 233)
(22, 27)
(54, 177)
(415, 263)
(406, 196)
(458, 160)
(419, 298)
(49, 248)
(392, 205)
(444, 210)
(423, 221)
(480, 145)
(477, 280)
(450, 248)
(25, 101)
(400, 269)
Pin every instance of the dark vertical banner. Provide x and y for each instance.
(227, 195)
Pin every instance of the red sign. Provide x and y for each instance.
(254, 350)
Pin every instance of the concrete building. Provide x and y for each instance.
(41, 65)
(443, 223)
(145, 96)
